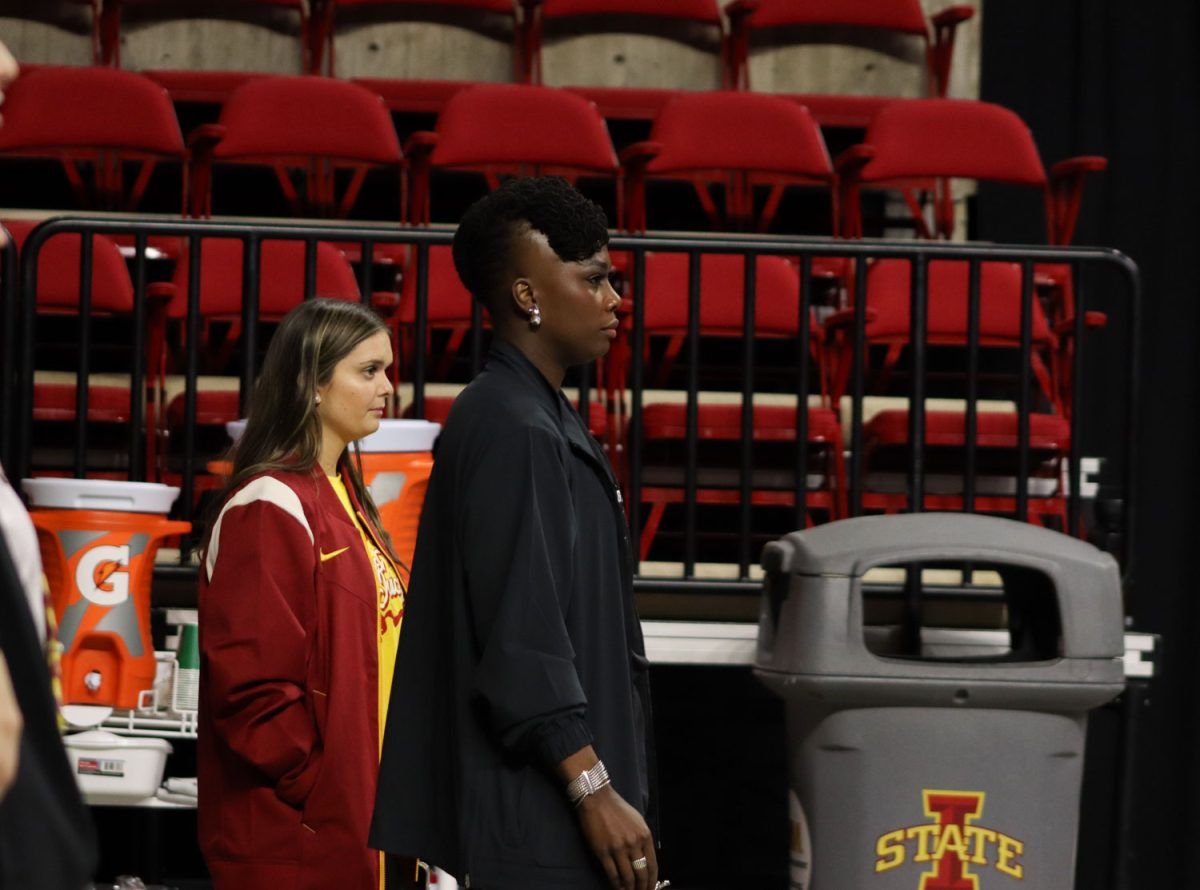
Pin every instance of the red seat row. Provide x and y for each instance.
(735, 30)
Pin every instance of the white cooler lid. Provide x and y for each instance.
(96, 739)
(391, 437)
(401, 435)
(100, 494)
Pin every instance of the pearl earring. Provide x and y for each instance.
(317, 400)
(535, 317)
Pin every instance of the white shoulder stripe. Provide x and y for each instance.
(264, 488)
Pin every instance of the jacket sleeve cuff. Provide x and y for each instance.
(559, 738)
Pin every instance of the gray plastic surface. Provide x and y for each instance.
(811, 626)
(865, 780)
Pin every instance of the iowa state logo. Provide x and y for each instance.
(956, 849)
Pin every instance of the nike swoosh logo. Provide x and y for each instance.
(325, 557)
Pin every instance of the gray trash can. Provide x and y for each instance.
(954, 762)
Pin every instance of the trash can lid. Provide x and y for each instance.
(392, 436)
(100, 494)
(851, 547)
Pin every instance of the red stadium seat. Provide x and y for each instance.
(911, 143)
(888, 305)
(314, 125)
(559, 132)
(98, 117)
(785, 19)
(735, 140)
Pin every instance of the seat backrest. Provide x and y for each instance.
(58, 271)
(448, 302)
(513, 125)
(951, 138)
(281, 118)
(726, 130)
(777, 295)
(280, 282)
(889, 284)
(54, 108)
(904, 16)
(705, 11)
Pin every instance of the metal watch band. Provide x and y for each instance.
(587, 782)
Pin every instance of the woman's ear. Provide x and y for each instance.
(523, 297)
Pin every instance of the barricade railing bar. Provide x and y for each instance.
(1082, 265)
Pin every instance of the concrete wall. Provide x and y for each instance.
(479, 47)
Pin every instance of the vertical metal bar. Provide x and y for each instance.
(1024, 403)
(910, 628)
(310, 268)
(1133, 422)
(366, 271)
(86, 246)
(192, 369)
(918, 329)
(251, 264)
(1074, 463)
(858, 385)
(137, 381)
(1132, 703)
(9, 356)
(803, 333)
(971, 421)
(749, 299)
(422, 330)
(693, 409)
(476, 337)
(27, 320)
(636, 372)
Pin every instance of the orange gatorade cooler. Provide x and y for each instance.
(396, 461)
(98, 540)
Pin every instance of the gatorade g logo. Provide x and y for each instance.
(954, 848)
(102, 574)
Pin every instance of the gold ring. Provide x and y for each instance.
(640, 864)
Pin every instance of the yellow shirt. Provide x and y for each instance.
(389, 590)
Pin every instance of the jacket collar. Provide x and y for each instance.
(572, 425)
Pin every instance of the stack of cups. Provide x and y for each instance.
(186, 694)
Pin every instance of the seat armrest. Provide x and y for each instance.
(205, 137)
(640, 153)
(853, 159)
(385, 302)
(741, 9)
(420, 143)
(952, 16)
(1091, 319)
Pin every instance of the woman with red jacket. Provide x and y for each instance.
(301, 600)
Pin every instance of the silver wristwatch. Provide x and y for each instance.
(586, 783)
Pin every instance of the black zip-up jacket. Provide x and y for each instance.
(521, 644)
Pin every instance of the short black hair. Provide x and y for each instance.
(575, 227)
